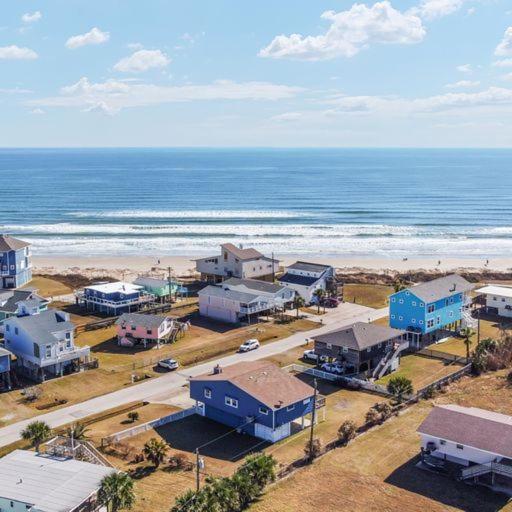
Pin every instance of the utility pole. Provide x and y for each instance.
(198, 463)
(313, 419)
(273, 268)
(170, 284)
(478, 328)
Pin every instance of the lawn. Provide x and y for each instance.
(377, 471)
(371, 295)
(420, 370)
(48, 287)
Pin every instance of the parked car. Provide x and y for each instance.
(168, 364)
(331, 302)
(333, 368)
(309, 355)
(251, 344)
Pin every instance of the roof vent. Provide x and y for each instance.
(217, 369)
(279, 404)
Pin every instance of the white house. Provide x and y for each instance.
(305, 278)
(32, 482)
(498, 299)
(237, 262)
(236, 299)
(44, 344)
(479, 440)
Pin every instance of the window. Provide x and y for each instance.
(290, 408)
(329, 345)
(369, 349)
(68, 344)
(134, 327)
(379, 345)
(393, 299)
(68, 335)
(460, 447)
(430, 323)
(392, 317)
(450, 314)
(400, 318)
(263, 410)
(438, 320)
(422, 305)
(421, 322)
(431, 308)
(407, 293)
(344, 349)
(413, 320)
(48, 351)
(413, 303)
(401, 301)
(7, 327)
(149, 331)
(306, 401)
(16, 331)
(232, 402)
(207, 393)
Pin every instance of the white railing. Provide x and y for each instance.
(482, 469)
(115, 304)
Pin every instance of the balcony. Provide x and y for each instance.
(67, 355)
(142, 299)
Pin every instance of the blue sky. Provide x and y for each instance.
(224, 73)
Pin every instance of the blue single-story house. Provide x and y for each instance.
(255, 397)
(15, 262)
(428, 311)
(114, 298)
(5, 369)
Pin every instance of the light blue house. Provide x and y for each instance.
(430, 311)
(15, 262)
(255, 397)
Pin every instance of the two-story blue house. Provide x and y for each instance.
(431, 311)
(114, 298)
(256, 397)
(15, 262)
(5, 369)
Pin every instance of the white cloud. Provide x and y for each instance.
(470, 11)
(462, 83)
(504, 63)
(37, 111)
(114, 95)
(504, 48)
(94, 36)
(350, 32)
(507, 77)
(135, 46)
(15, 90)
(143, 60)
(465, 68)
(287, 117)
(432, 9)
(14, 52)
(31, 17)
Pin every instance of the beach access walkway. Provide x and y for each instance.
(157, 389)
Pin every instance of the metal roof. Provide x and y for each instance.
(8, 243)
(359, 336)
(264, 381)
(217, 291)
(470, 426)
(298, 279)
(151, 281)
(117, 286)
(500, 291)
(439, 288)
(306, 266)
(148, 321)
(253, 285)
(46, 483)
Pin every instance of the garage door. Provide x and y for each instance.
(221, 314)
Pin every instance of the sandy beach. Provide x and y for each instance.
(128, 267)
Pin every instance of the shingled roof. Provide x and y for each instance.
(442, 287)
(147, 321)
(359, 336)
(252, 285)
(42, 326)
(9, 299)
(470, 426)
(264, 381)
(243, 254)
(9, 243)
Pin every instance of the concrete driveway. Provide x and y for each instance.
(170, 385)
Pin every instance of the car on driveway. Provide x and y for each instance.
(336, 368)
(310, 355)
(248, 345)
(168, 364)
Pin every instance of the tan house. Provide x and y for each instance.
(237, 262)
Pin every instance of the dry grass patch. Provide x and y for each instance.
(48, 287)
(371, 295)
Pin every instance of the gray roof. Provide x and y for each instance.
(12, 298)
(359, 336)
(470, 426)
(217, 291)
(148, 321)
(442, 287)
(151, 281)
(308, 267)
(254, 285)
(41, 327)
(49, 484)
(243, 254)
(298, 279)
(8, 243)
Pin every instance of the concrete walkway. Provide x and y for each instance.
(161, 388)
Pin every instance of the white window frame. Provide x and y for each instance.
(263, 410)
(207, 393)
(231, 402)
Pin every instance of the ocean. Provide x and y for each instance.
(328, 202)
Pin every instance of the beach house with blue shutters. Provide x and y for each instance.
(430, 311)
(255, 397)
(15, 262)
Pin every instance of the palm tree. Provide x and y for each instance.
(467, 333)
(155, 451)
(399, 286)
(260, 468)
(36, 432)
(116, 492)
(77, 431)
(319, 294)
(190, 501)
(298, 303)
(400, 386)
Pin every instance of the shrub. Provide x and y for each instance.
(32, 393)
(180, 461)
(400, 386)
(155, 451)
(133, 416)
(347, 432)
(313, 450)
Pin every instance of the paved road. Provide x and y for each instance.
(171, 384)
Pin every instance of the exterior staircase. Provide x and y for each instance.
(484, 469)
(468, 320)
(388, 359)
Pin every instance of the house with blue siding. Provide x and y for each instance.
(5, 369)
(15, 262)
(115, 298)
(20, 303)
(431, 311)
(254, 397)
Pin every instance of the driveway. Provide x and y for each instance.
(170, 385)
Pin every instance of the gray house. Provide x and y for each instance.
(20, 303)
(363, 348)
(44, 344)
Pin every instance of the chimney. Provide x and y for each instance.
(217, 369)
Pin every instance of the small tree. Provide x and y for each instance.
(32, 393)
(133, 416)
(36, 432)
(298, 303)
(467, 333)
(77, 431)
(400, 386)
(384, 409)
(347, 432)
(313, 450)
(116, 492)
(399, 285)
(155, 451)
(372, 416)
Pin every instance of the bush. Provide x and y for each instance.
(133, 416)
(347, 432)
(180, 461)
(313, 450)
(32, 393)
(400, 386)
(378, 413)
